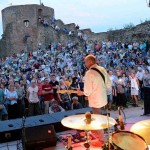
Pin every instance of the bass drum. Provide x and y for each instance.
(125, 140)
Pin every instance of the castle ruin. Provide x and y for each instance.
(23, 31)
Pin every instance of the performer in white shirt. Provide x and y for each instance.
(95, 88)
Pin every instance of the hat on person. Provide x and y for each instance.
(75, 98)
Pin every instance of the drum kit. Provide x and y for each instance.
(136, 139)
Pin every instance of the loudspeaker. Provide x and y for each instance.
(37, 138)
(146, 100)
(10, 130)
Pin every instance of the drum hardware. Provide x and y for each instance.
(126, 140)
(142, 128)
(68, 146)
(88, 122)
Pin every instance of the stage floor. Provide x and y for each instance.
(133, 115)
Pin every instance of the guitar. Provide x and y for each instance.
(67, 91)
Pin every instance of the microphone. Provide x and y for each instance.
(120, 119)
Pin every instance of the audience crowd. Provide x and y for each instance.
(30, 81)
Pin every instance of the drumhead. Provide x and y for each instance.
(126, 140)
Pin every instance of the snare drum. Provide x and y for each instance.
(125, 140)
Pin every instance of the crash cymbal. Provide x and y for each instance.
(80, 122)
(142, 128)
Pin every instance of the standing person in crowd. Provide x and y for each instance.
(47, 91)
(146, 78)
(3, 111)
(12, 97)
(109, 91)
(20, 102)
(64, 98)
(139, 76)
(134, 89)
(74, 85)
(95, 87)
(126, 88)
(32, 96)
(40, 95)
(82, 98)
(121, 100)
(113, 78)
(54, 84)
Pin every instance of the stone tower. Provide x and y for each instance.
(21, 27)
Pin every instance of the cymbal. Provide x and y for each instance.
(142, 128)
(79, 122)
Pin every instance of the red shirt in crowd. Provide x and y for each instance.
(40, 89)
(49, 96)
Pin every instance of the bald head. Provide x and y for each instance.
(90, 60)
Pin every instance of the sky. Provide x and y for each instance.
(98, 15)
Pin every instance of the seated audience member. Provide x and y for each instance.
(75, 104)
(55, 107)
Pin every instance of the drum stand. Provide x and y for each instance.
(108, 131)
(87, 142)
(107, 144)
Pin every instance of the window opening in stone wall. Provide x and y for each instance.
(26, 23)
(40, 12)
(40, 15)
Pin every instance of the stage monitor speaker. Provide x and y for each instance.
(146, 100)
(37, 138)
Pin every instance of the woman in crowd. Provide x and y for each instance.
(134, 89)
(64, 98)
(12, 97)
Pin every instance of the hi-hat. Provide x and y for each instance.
(142, 128)
(80, 122)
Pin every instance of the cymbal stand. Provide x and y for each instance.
(108, 131)
(87, 142)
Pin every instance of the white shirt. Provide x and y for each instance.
(33, 94)
(95, 88)
(140, 75)
(134, 84)
(12, 95)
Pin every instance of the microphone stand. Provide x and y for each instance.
(23, 132)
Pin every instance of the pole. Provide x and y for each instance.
(40, 2)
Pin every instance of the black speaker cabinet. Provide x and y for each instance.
(146, 100)
(39, 137)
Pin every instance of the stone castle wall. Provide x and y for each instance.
(19, 36)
